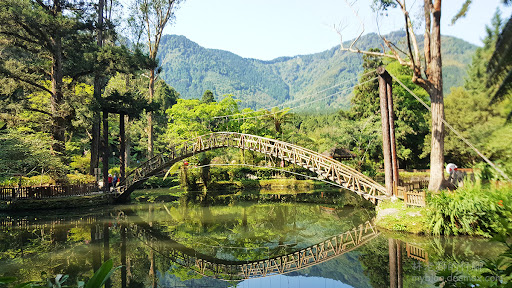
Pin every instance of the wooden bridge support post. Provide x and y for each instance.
(388, 131)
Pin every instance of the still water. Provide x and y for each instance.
(248, 241)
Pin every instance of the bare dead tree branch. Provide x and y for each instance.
(361, 23)
(395, 55)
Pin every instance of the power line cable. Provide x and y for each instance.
(295, 100)
(303, 104)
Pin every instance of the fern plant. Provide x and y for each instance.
(473, 210)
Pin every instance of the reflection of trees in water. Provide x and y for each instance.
(80, 248)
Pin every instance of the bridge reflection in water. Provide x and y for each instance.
(210, 266)
(310, 256)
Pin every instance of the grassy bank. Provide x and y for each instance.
(475, 210)
(396, 216)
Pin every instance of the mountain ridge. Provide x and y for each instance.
(192, 69)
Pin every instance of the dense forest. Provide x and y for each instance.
(56, 78)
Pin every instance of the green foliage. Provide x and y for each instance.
(470, 112)
(27, 181)
(191, 118)
(451, 279)
(80, 178)
(101, 275)
(41, 46)
(399, 227)
(471, 210)
(500, 268)
(208, 97)
(22, 152)
(7, 280)
(365, 102)
(96, 281)
(396, 216)
(411, 126)
(80, 163)
(278, 117)
(499, 78)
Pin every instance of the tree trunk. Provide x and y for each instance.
(437, 104)
(105, 152)
(95, 141)
(128, 143)
(122, 147)
(150, 114)
(392, 140)
(57, 99)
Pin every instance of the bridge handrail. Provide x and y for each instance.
(330, 160)
(286, 151)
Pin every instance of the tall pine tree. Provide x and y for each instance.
(42, 44)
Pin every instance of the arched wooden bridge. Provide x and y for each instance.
(326, 168)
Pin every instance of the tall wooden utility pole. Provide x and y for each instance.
(388, 131)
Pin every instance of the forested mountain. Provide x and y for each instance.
(192, 69)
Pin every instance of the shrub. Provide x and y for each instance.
(81, 163)
(471, 210)
(80, 178)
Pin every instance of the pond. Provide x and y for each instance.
(250, 240)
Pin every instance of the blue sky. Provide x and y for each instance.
(267, 29)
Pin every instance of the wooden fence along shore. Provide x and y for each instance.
(413, 193)
(44, 192)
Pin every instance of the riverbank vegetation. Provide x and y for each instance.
(477, 209)
(482, 210)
